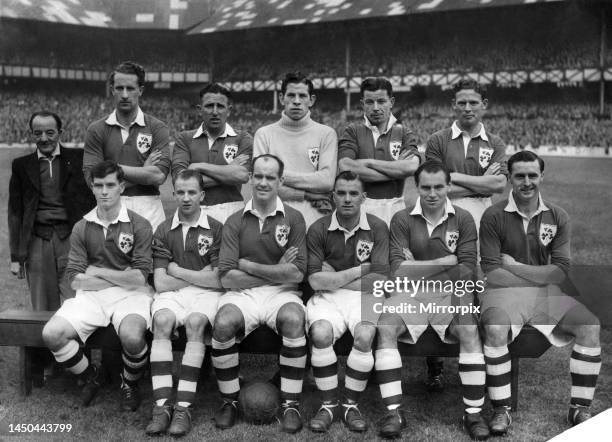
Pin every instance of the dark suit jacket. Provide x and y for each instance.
(24, 192)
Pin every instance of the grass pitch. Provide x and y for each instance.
(581, 186)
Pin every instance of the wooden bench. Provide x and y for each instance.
(23, 329)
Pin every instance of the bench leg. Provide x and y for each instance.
(25, 369)
(514, 372)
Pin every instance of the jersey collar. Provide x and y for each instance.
(55, 153)
(448, 209)
(139, 120)
(374, 128)
(228, 132)
(362, 225)
(121, 217)
(456, 132)
(512, 207)
(249, 208)
(202, 221)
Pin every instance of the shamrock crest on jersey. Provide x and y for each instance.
(451, 240)
(394, 149)
(229, 152)
(547, 233)
(484, 157)
(364, 249)
(204, 243)
(126, 242)
(313, 156)
(144, 142)
(282, 234)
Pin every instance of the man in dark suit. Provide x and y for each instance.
(47, 196)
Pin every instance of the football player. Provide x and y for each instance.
(525, 251)
(261, 263)
(108, 265)
(185, 259)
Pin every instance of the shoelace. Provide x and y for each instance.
(291, 406)
(181, 415)
(127, 390)
(328, 408)
(349, 407)
(506, 412)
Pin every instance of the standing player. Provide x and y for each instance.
(47, 196)
(262, 260)
(219, 153)
(434, 242)
(135, 140)
(185, 259)
(382, 151)
(477, 161)
(475, 157)
(525, 251)
(308, 148)
(347, 250)
(109, 262)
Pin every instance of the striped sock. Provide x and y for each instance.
(498, 365)
(325, 370)
(72, 358)
(134, 365)
(358, 367)
(292, 367)
(472, 375)
(190, 373)
(585, 364)
(389, 375)
(161, 370)
(226, 362)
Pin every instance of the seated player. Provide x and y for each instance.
(433, 244)
(108, 266)
(185, 259)
(346, 251)
(261, 263)
(525, 252)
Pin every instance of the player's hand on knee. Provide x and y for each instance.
(17, 269)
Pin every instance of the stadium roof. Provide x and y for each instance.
(128, 14)
(242, 14)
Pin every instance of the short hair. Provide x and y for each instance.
(348, 175)
(281, 165)
(468, 83)
(432, 167)
(524, 156)
(187, 174)
(216, 88)
(45, 113)
(130, 68)
(296, 77)
(376, 83)
(105, 168)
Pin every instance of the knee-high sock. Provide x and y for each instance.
(498, 366)
(161, 370)
(190, 373)
(358, 367)
(389, 374)
(226, 362)
(585, 364)
(72, 358)
(472, 375)
(134, 365)
(292, 367)
(325, 369)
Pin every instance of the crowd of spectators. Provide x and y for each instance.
(571, 123)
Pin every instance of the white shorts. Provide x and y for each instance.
(476, 207)
(260, 305)
(309, 213)
(148, 206)
(188, 300)
(540, 307)
(90, 310)
(384, 208)
(341, 308)
(222, 211)
(422, 310)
